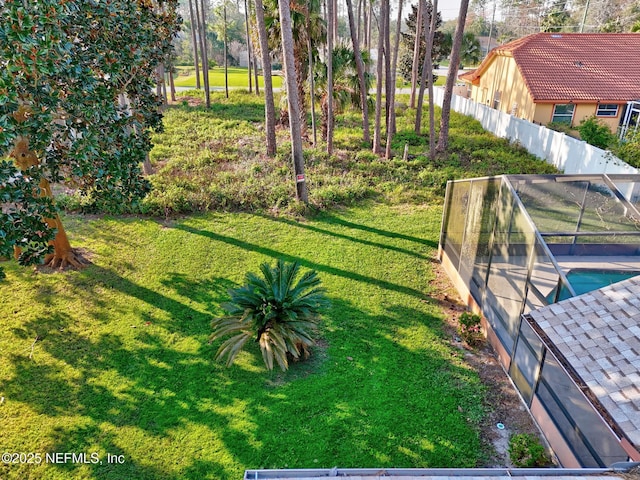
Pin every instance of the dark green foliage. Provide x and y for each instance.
(596, 133)
(441, 44)
(525, 451)
(629, 150)
(23, 225)
(280, 313)
(470, 329)
(76, 83)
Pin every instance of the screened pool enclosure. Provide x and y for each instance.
(516, 245)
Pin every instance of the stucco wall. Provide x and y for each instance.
(503, 76)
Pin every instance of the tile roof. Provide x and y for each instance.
(598, 334)
(575, 66)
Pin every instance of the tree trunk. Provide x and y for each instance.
(269, 107)
(205, 55)
(194, 26)
(330, 38)
(312, 90)
(360, 67)
(292, 100)
(391, 130)
(425, 63)
(377, 129)
(226, 63)
(416, 55)
(255, 71)
(172, 84)
(443, 139)
(432, 120)
(63, 255)
(387, 62)
(249, 56)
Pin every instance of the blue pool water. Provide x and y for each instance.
(587, 280)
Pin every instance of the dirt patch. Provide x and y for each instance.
(191, 101)
(502, 403)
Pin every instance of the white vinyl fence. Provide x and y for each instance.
(566, 153)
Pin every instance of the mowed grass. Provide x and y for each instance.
(121, 362)
(237, 77)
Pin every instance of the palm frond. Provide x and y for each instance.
(231, 347)
(280, 309)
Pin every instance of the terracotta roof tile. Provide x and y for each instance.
(575, 66)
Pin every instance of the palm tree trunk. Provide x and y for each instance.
(329, 120)
(391, 130)
(416, 55)
(292, 99)
(194, 27)
(360, 68)
(312, 91)
(443, 139)
(269, 107)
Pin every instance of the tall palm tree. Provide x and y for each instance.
(328, 135)
(307, 24)
(280, 313)
(346, 86)
(292, 100)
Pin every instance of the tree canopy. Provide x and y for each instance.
(76, 107)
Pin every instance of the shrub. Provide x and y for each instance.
(470, 329)
(278, 312)
(596, 133)
(525, 450)
(629, 150)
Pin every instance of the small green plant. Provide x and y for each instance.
(470, 329)
(278, 312)
(525, 450)
(596, 133)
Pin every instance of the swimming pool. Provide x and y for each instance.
(584, 280)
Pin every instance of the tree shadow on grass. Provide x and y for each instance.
(331, 220)
(254, 247)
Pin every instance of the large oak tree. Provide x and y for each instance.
(76, 106)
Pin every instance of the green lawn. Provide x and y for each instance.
(238, 78)
(122, 364)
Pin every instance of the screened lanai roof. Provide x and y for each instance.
(582, 209)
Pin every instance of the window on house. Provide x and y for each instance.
(496, 99)
(607, 110)
(563, 113)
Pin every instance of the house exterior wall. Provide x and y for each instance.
(504, 78)
(502, 81)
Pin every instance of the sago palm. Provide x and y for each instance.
(278, 310)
